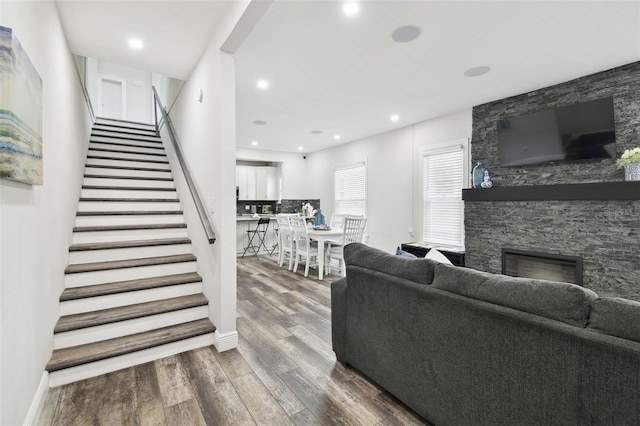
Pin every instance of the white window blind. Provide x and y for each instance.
(350, 189)
(443, 175)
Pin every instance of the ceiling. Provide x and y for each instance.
(345, 76)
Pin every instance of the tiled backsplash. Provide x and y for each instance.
(260, 207)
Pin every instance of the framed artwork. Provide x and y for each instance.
(20, 113)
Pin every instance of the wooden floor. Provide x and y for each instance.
(283, 371)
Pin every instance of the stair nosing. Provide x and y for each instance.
(129, 344)
(131, 213)
(129, 227)
(111, 245)
(118, 287)
(109, 265)
(96, 318)
(139, 123)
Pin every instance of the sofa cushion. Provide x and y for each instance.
(564, 302)
(416, 270)
(616, 316)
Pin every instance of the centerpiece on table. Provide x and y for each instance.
(630, 160)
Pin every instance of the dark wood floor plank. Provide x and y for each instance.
(173, 381)
(264, 409)
(185, 413)
(233, 364)
(50, 407)
(261, 320)
(278, 389)
(267, 349)
(150, 411)
(222, 407)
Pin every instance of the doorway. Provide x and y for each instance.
(112, 95)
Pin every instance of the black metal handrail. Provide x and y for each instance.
(208, 229)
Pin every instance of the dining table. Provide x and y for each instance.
(323, 236)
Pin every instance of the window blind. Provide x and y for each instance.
(443, 209)
(350, 184)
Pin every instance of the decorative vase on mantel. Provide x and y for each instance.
(632, 172)
(478, 175)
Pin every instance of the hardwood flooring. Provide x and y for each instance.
(282, 373)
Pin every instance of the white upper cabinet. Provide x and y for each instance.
(258, 183)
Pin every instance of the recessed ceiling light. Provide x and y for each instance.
(299, 148)
(136, 43)
(405, 34)
(254, 143)
(316, 132)
(262, 84)
(336, 137)
(259, 122)
(395, 117)
(477, 71)
(351, 8)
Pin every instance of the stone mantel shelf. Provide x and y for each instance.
(561, 192)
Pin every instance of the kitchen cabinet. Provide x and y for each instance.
(247, 182)
(258, 183)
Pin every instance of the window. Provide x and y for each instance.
(443, 209)
(350, 182)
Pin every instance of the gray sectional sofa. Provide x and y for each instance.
(463, 347)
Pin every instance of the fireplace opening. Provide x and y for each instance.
(544, 266)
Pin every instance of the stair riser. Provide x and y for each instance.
(74, 374)
(100, 147)
(119, 206)
(90, 256)
(121, 136)
(89, 304)
(122, 156)
(89, 170)
(129, 235)
(150, 144)
(129, 182)
(127, 220)
(102, 277)
(137, 131)
(127, 193)
(125, 163)
(124, 328)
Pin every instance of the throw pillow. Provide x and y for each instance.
(437, 256)
(402, 253)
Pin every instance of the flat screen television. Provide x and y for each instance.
(581, 131)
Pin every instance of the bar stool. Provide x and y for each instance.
(260, 231)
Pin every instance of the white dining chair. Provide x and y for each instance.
(337, 221)
(285, 240)
(353, 232)
(305, 249)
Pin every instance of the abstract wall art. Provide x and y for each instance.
(20, 113)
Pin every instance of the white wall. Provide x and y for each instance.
(393, 175)
(294, 170)
(207, 133)
(36, 221)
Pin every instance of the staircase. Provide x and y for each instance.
(132, 293)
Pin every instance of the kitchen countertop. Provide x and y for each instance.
(249, 217)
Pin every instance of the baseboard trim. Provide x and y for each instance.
(226, 341)
(37, 404)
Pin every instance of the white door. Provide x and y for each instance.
(112, 98)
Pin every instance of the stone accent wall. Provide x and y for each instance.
(604, 233)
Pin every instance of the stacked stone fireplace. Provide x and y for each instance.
(603, 231)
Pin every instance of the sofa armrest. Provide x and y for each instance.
(339, 318)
